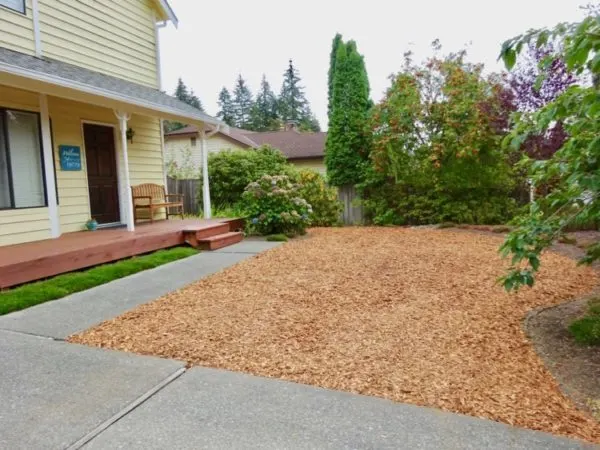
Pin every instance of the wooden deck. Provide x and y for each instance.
(31, 261)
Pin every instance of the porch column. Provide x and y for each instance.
(123, 119)
(205, 181)
(48, 153)
(206, 206)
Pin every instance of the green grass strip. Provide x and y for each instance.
(62, 285)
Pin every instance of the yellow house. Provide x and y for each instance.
(81, 113)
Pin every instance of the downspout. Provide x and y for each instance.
(37, 35)
(157, 27)
(206, 206)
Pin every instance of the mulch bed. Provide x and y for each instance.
(412, 315)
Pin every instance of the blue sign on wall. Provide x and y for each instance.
(70, 157)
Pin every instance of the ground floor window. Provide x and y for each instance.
(22, 182)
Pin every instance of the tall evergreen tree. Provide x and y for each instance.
(242, 103)
(226, 111)
(185, 95)
(337, 41)
(264, 112)
(293, 105)
(292, 100)
(347, 146)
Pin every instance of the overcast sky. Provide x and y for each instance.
(216, 41)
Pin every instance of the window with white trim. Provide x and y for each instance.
(22, 183)
(17, 5)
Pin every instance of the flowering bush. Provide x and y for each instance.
(274, 206)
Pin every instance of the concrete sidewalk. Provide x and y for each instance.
(55, 395)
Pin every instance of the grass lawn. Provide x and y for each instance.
(62, 285)
(411, 315)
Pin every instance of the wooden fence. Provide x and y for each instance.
(189, 189)
(352, 213)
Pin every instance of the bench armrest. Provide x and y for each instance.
(174, 195)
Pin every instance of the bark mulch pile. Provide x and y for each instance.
(412, 315)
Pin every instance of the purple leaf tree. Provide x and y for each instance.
(539, 78)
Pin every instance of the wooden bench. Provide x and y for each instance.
(152, 197)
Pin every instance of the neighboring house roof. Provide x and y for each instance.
(234, 133)
(292, 143)
(61, 74)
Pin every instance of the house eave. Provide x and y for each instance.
(168, 11)
(17, 76)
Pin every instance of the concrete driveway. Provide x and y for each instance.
(56, 395)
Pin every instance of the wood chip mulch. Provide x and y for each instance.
(412, 315)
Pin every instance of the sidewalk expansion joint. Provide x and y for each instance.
(129, 408)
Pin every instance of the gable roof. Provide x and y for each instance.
(292, 143)
(234, 133)
(59, 74)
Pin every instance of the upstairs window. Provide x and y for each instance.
(193, 142)
(21, 169)
(16, 5)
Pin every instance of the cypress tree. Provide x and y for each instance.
(226, 112)
(347, 146)
(337, 41)
(242, 103)
(264, 112)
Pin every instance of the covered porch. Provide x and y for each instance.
(22, 263)
(73, 144)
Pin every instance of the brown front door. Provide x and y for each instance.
(101, 161)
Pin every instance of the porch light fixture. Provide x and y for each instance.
(130, 134)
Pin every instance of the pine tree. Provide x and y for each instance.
(264, 112)
(242, 103)
(347, 146)
(309, 122)
(337, 41)
(226, 112)
(185, 95)
(292, 101)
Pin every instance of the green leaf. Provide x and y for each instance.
(510, 58)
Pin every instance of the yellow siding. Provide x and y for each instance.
(317, 164)
(115, 38)
(24, 225)
(16, 30)
(181, 151)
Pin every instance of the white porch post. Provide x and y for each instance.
(48, 153)
(123, 119)
(206, 206)
(205, 181)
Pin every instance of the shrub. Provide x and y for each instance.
(274, 206)
(231, 171)
(323, 199)
(277, 238)
(587, 329)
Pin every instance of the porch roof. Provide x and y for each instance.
(61, 79)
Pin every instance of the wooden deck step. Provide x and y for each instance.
(221, 240)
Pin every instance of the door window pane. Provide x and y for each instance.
(25, 159)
